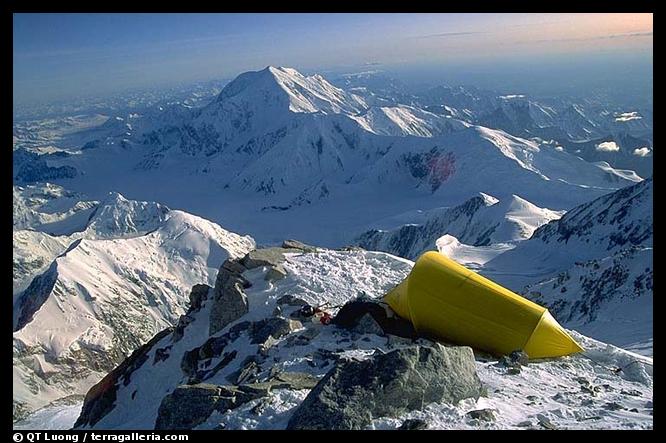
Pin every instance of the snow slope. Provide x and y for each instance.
(480, 221)
(125, 277)
(594, 230)
(609, 298)
(579, 391)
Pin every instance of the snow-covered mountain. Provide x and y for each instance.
(122, 276)
(256, 372)
(592, 267)
(278, 141)
(590, 231)
(610, 298)
(480, 221)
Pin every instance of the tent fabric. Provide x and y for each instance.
(445, 300)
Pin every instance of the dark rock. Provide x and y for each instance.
(293, 380)
(386, 385)
(632, 392)
(295, 244)
(187, 406)
(190, 405)
(198, 294)
(276, 327)
(613, 406)
(545, 422)
(524, 424)
(519, 357)
(354, 311)
(413, 424)
(513, 371)
(368, 325)
(229, 302)
(482, 414)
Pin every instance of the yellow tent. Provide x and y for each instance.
(448, 301)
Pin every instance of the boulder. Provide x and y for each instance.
(354, 392)
(275, 327)
(187, 406)
(229, 299)
(190, 405)
(413, 424)
(482, 414)
(264, 257)
(295, 244)
(291, 300)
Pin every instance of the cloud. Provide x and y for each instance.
(451, 34)
(598, 37)
(642, 152)
(608, 147)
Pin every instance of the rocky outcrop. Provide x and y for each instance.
(229, 299)
(354, 392)
(190, 405)
(295, 244)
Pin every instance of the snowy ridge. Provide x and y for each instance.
(124, 278)
(480, 221)
(608, 298)
(590, 231)
(552, 391)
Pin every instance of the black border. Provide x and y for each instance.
(293, 6)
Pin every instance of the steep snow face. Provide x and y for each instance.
(591, 231)
(119, 217)
(280, 86)
(406, 120)
(480, 221)
(333, 277)
(127, 276)
(608, 298)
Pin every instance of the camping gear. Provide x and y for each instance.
(445, 300)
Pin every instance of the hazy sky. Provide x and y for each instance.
(62, 55)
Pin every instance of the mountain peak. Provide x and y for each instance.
(284, 87)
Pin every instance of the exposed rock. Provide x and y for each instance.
(295, 244)
(101, 398)
(368, 325)
(291, 300)
(520, 357)
(613, 406)
(293, 380)
(187, 406)
(198, 295)
(275, 273)
(276, 327)
(545, 422)
(264, 257)
(413, 424)
(482, 414)
(229, 300)
(514, 361)
(351, 314)
(354, 392)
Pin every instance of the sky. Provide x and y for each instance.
(57, 56)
